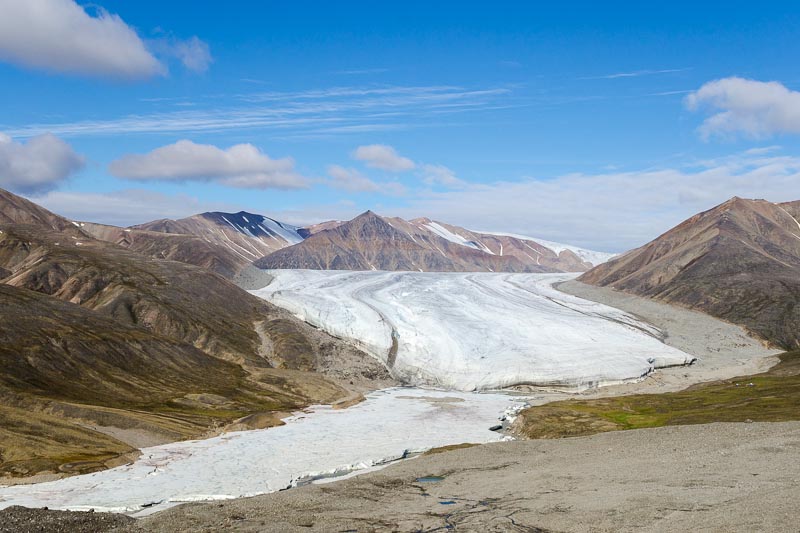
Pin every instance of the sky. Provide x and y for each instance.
(596, 125)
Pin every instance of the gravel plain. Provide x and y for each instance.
(717, 477)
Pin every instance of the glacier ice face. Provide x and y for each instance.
(320, 443)
(473, 331)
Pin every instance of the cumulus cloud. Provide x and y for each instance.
(613, 211)
(350, 179)
(242, 166)
(39, 164)
(382, 157)
(440, 175)
(752, 108)
(60, 36)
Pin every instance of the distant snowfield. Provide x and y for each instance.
(475, 331)
(592, 256)
(323, 442)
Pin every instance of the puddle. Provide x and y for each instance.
(430, 479)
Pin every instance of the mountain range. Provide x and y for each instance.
(372, 242)
(227, 243)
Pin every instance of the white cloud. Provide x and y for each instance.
(382, 157)
(342, 110)
(193, 53)
(60, 36)
(242, 166)
(350, 179)
(612, 211)
(753, 108)
(634, 74)
(37, 165)
(440, 175)
(362, 71)
(126, 207)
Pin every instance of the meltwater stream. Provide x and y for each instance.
(319, 443)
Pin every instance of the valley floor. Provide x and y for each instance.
(718, 477)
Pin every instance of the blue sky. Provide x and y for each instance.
(597, 125)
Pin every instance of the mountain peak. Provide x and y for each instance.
(369, 213)
(17, 210)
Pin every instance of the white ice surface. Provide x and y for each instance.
(320, 443)
(476, 330)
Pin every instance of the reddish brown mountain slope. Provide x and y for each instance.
(188, 249)
(739, 261)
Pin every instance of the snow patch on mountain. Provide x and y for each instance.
(444, 233)
(258, 226)
(592, 256)
(288, 232)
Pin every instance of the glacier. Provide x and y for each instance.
(320, 443)
(475, 331)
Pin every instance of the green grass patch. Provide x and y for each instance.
(772, 396)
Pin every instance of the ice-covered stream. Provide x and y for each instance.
(322, 442)
(469, 331)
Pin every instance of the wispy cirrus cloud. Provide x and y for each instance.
(670, 93)
(633, 74)
(332, 111)
(361, 71)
